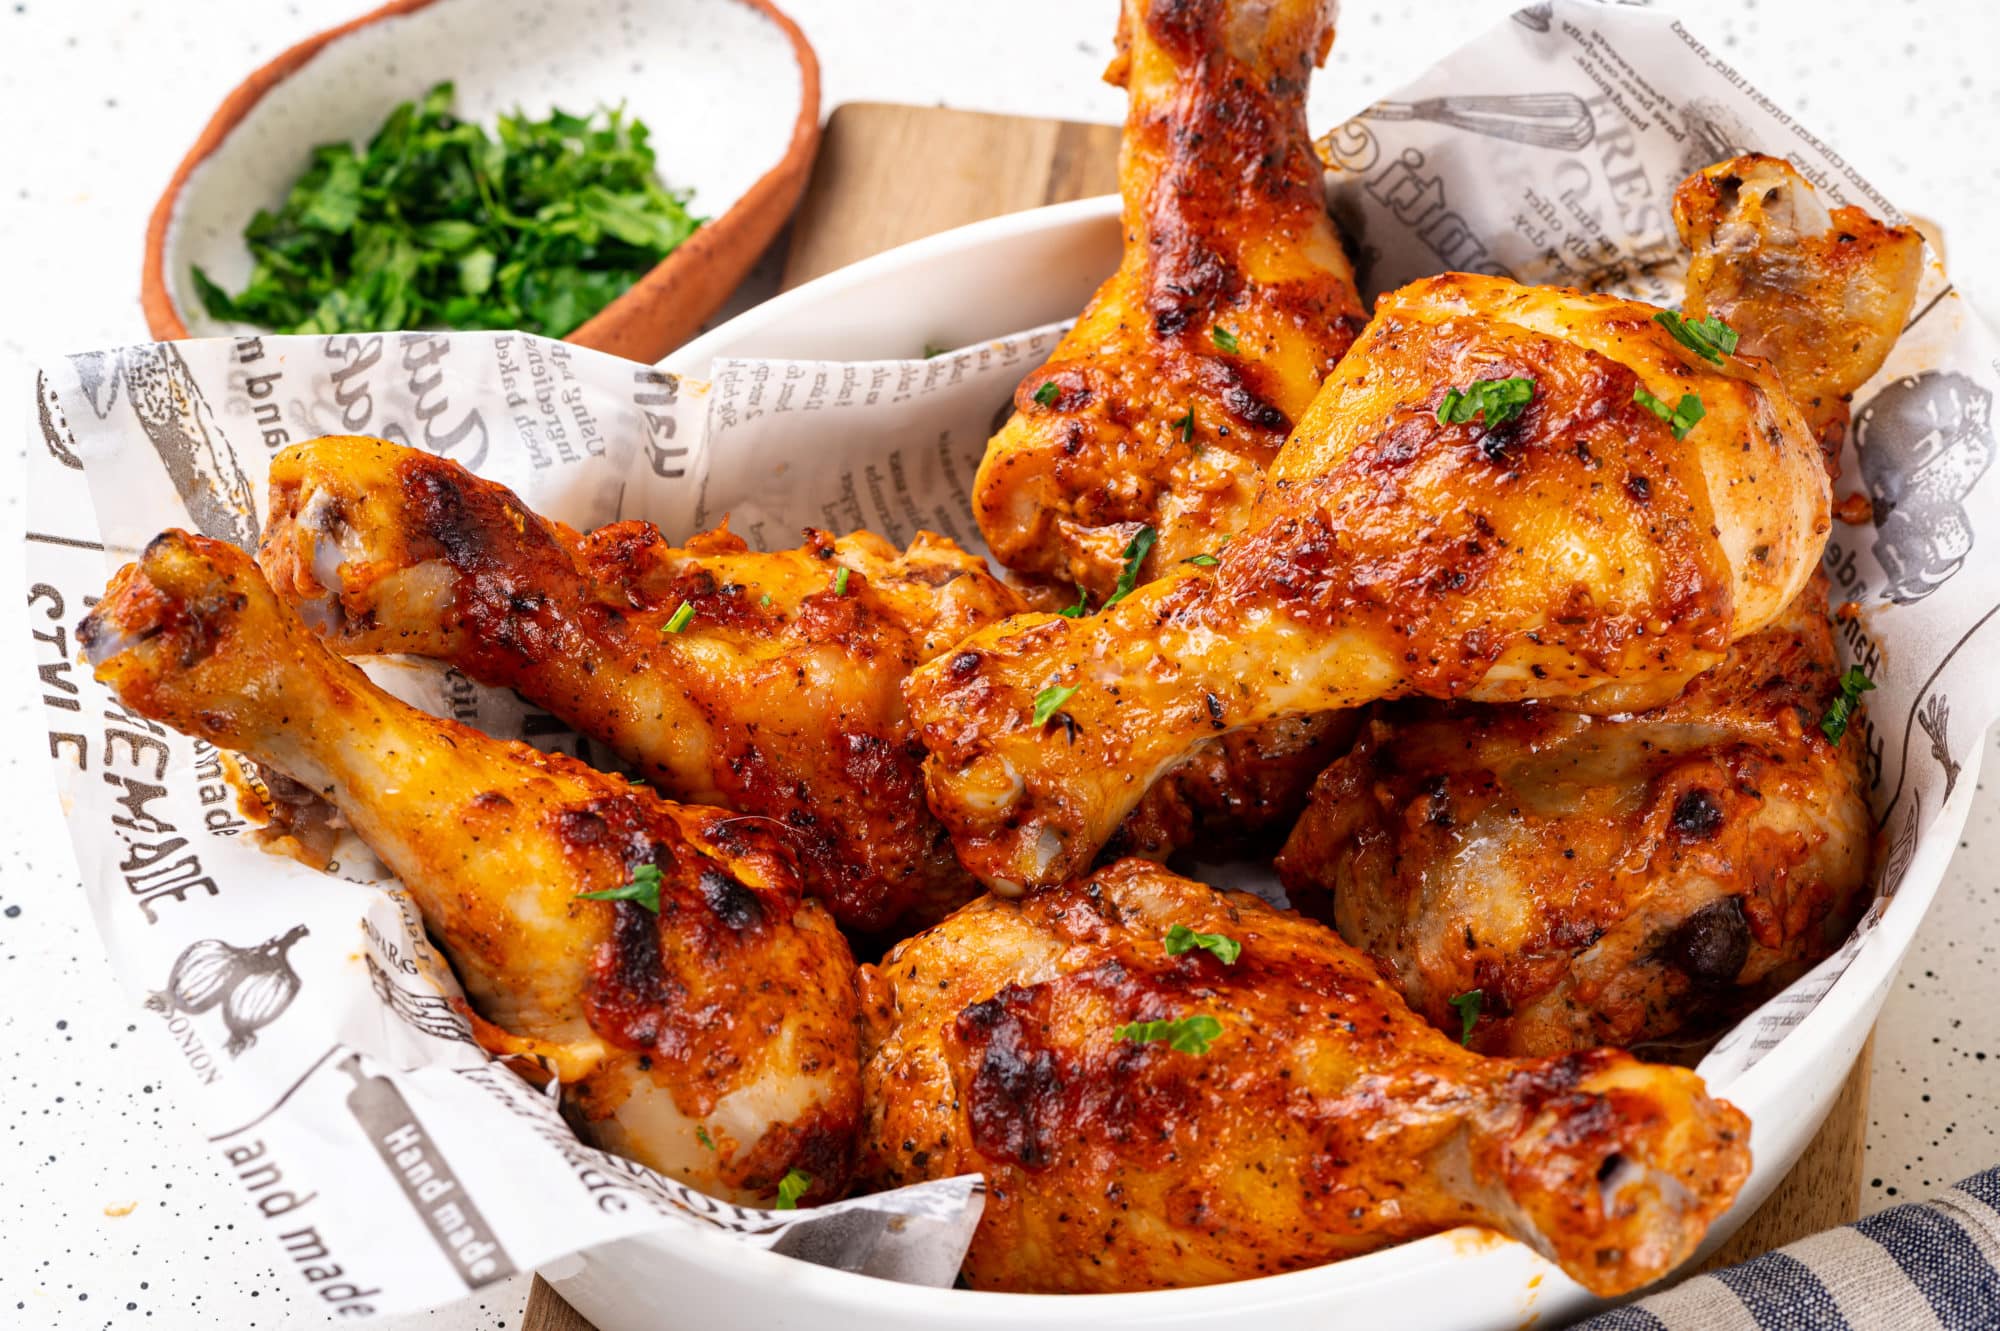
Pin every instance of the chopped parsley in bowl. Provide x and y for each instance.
(436, 224)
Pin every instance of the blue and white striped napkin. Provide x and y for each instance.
(1926, 1266)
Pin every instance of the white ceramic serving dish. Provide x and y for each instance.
(997, 277)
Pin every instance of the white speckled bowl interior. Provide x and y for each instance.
(681, 66)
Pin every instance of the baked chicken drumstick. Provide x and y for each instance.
(1146, 1120)
(765, 683)
(1633, 510)
(778, 693)
(1642, 879)
(1578, 880)
(728, 1014)
(1177, 385)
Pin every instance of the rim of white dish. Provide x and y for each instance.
(693, 357)
(1815, 1038)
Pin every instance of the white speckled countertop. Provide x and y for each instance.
(102, 97)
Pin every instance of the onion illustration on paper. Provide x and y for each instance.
(1539, 119)
(252, 985)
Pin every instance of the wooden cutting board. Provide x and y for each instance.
(888, 174)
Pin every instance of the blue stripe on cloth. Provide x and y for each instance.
(1941, 1260)
(1631, 1317)
(1783, 1294)
(1986, 1187)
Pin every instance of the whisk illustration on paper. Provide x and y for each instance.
(1541, 120)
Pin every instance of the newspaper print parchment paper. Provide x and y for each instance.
(392, 1163)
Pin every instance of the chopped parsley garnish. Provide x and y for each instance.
(1841, 710)
(679, 619)
(1468, 1005)
(840, 582)
(1186, 426)
(1136, 551)
(644, 889)
(792, 1187)
(1202, 560)
(1189, 1035)
(701, 1135)
(1680, 418)
(1498, 400)
(1181, 939)
(1711, 339)
(765, 599)
(438, 224)
(1048, 393)
(1049, 699)
(1224, 339)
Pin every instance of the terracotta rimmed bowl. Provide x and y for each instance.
(729, 89)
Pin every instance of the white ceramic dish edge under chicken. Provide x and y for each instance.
(958, 288)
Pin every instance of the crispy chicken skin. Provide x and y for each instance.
(1645, 879)
(790, 708)
(1157, 418)
(1579, 551)
(1323, 1121)
(731, 1012)
(780, 696)
(1600, 880)
(1821, 295)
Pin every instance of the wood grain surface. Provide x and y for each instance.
(888, 174)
